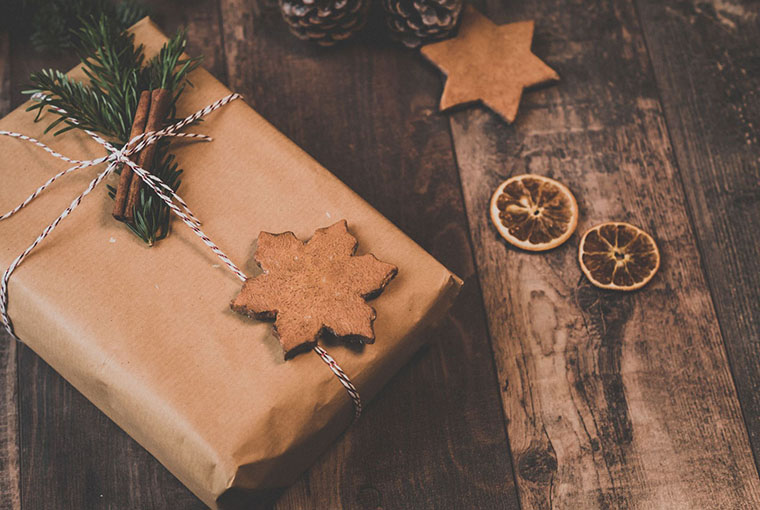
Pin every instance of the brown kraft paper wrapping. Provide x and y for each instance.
(147, 333)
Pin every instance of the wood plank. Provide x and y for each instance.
(613, 400)
(238, 32)
(707, 62)
(73, 456)
(5, 72)
(203, 24)
(434, 437)
(10, 487)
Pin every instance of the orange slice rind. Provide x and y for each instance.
(534, 212)
(617, 255)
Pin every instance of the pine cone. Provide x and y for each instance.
(324, 21)
(414, 22)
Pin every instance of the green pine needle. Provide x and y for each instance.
(107, 104)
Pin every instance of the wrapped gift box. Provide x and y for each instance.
(147, 333)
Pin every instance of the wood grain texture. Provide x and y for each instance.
(613, 400)
(434, 437)
(706, 59)
(239, 32)
(5, 72)
(74, 457)
(10, 487)
(202, 20)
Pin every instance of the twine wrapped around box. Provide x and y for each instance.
(164, 192)
(147, 334)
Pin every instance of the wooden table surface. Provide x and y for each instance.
(537, 391)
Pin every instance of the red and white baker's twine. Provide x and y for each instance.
(170, 198)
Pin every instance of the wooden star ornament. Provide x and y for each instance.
(488, 62)
(311, 287)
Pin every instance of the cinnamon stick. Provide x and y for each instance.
(138, 127)
(160, 100)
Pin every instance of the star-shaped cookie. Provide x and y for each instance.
(315, 286)
(488, 62)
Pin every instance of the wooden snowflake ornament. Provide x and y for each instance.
(311, 287)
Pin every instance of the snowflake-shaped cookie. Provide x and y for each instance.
(315, 286)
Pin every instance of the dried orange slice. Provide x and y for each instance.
(618, 256)
(534, 212)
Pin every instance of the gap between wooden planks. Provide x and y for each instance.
(612, 400)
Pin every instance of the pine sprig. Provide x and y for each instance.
(92, 109)
(168, 70)
(113, 64)
(107, 104)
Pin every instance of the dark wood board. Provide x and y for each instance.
(10, 472)
(435, 437)
(10, 488)
(613, 400)
(5, 72)
(706, 59)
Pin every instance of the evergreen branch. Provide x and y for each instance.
(168, 70)
(107, 104)
(89, 106)
(110, 58)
